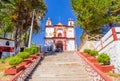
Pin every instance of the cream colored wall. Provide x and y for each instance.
(70, 33)
(70, 45)
(49, 32)
(89, 45)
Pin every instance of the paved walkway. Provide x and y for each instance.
(64, 66)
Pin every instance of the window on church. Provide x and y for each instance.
(59, 35)
(48, 23)
(70, 23)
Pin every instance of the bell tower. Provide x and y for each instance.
(48, 22)
(70, 22)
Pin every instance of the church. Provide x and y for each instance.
(60, 36)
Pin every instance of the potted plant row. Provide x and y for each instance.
(101, 61)
(14, 61)
(90, 54)
(21, 60)
(104, 63)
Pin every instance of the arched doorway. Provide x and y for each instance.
(59, 46)
(59, 35)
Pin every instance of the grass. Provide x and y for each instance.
(114, 75)
(4, 65)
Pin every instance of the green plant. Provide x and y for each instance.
(93, 52)
(87, 51)
(23, 55)
(104, 58)
(14, 61)
(35, 49)
(31, 50)
(5, 60)
(2, 61)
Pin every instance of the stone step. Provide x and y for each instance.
(60, 79)
(60, 67)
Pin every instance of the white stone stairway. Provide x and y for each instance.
(64, 66)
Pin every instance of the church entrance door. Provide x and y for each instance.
(59, 46)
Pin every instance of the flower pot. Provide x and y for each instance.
(34, 56)
(86, 55)
(92, 59)
(14, 70)
(98, 66)
(107, 68)
(104, 68)
(29, 59)
(24, 63)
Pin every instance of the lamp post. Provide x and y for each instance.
(31, 29)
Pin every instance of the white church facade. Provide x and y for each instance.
(60, 36)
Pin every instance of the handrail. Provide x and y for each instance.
(93, 71)
(112, 35)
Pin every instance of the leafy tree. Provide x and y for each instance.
(114, 13)
(21, 15)
(7, 25)
(91, 14)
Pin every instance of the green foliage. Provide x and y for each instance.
(87, 51)
(4, 60)
(93, 52)
(103, 58)
(23, 55)
(35, 49)
(31, 50)
(92, 15)
(14, 61)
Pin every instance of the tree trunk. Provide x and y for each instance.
(4, 34)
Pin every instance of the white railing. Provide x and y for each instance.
(112, 35)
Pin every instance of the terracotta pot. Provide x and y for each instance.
(34, 56)
(86, 55)
(92, 59)
(14, 70)
(107, 68)
(24, 63)
(29, 59)
(104, 68)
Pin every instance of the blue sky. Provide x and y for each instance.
(58, 11)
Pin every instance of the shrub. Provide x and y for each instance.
(35, 49)
(23, 55)
(5, 60)
(31, 50)
(104, 58)
(14, 61)
(93, 52)
(87, 51)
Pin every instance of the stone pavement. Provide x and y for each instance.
(65, 66)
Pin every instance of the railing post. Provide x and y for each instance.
(114, 34)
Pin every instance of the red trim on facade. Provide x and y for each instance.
(70, 20)
(49, 26)
(65, 44)
(114, 34)
(59, 38)
(60, 25)
(52, 26)
(70, 38)
(6, 49)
